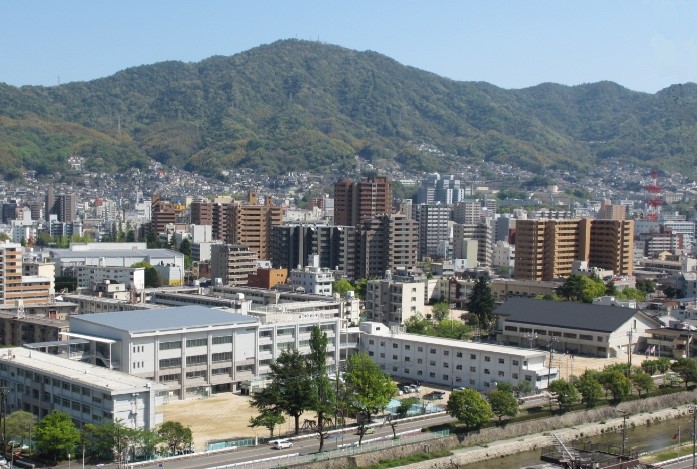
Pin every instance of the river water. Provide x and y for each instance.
(641, 439)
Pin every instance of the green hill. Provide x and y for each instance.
(306, 105)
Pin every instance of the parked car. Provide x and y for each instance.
(283, 444)
(276, 440)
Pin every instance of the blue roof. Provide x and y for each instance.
(144, 320)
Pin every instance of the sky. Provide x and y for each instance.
(640, 44)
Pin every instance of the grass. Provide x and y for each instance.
(668, 454)
(419, 457)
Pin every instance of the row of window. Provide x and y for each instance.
(57, 384)
(201, 342)
(566, 335)
(446, 353)
(198, 374)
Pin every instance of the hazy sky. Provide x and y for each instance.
(640, 44)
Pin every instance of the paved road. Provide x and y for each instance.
(302, 445)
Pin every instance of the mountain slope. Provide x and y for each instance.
(295, 105)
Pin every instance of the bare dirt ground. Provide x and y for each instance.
(226, 416)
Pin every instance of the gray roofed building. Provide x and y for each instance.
(576, 328)
(163, 319)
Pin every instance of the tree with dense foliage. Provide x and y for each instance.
(631, 294)
(615, 382)
(580, 288)
(653, 367)
(647, 286)
(405, 406)
(589, 387)
(19, 424)
(417, 324)
(368, 388)
(440, 311)
(56, 435)
(503, 403)
(341, 286)
(176, 436)
(452, 329)
(322, 394)
(289, 390)
(268, 419)
(361, 287)
(480, 302)
(523, 388)
(564, 392)
(643, 382)
(152, 278)
(469, 407)
(686, 368)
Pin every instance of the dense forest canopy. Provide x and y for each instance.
(311, 106)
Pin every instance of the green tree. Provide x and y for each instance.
(646, 286)
(686, 368)
(503, 403)
(564, 392)
(56, 435)
(469, 407)
(19, 424)
(590, 388)
(441, 311)
(405, 405)
(480, 302)
(176, 436)
(523, 388)
(185, 247)
(152, 278)
(322, 395)
(452, 329)
(341, 286)
(643, 382)
(652, 367)
(361, 287)
(616, 383)
(268, 419)
(290, 389)
(417, 324)
(368, 389)
(631, 294)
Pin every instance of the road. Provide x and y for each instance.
(303, 445)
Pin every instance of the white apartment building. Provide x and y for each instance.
(503, 255)
(39, 382)
(313, 278)
(391, 302)
(89, 276)
(195, 350)
(453, 363)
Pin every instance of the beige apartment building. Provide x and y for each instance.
(546, 249)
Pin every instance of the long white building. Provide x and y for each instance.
(39, 382)
(453, 363)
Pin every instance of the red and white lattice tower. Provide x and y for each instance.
(654, 198)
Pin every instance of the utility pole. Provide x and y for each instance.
(625, 414)
(551, 340)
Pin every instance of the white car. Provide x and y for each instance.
(283, 444)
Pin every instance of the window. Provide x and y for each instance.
(197, 342)
(446, 365)
(221, 371)
(458, 354)
(220, 357)
(172, 377)
(446, 352)
(486, 371)
(515, 375)
(585, 337)
(407, 359)
(407, 347)
(371, 353)
(600, 339)
(487, 359)
(569, 335)
(433, 350)
(382, 355)
(406, 371)
(431, 375)
(432, 363)
(394, 369)
(501, 373)
(195, 374)
(419, 373)
(515, 362)
(395, 345)
(382, 344)
(371, 342)
(473, 369)
(419, 349)
(472, 382)
(394, 357)
(458, 367)
(473, 357)
(501, 360)
(528, 378)
(196, 360)
(176, 344)
(419, 361)
(511, 328)
(222, 339)
(170, 362)
(446, 377)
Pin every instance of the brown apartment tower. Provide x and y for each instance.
(250, 224)
(356, 201)
(546, 249)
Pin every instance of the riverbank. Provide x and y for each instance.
(461, 457)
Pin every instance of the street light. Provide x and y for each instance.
(551, 340)
(531, 337)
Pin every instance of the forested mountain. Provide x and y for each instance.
(295, 105)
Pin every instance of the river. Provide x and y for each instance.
(641, 439)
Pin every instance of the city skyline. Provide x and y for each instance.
(644, 46)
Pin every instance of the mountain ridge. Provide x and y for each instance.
(312, 106)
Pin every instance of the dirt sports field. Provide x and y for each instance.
(226, 416)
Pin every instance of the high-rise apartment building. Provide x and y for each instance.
(163, 214)
(63, 205)
(13, 285)
(201, 213)
(335, 245)
(251, 224)
(610, 211)
(467, 212)
(387, 242)
(546, 249)
(480, 232)
(356, 201)
(434, 231)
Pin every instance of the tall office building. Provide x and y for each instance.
(201, 213)
(250, 224)
(163, 214)
(63, 205)
(546, 249)
(387, 242)
(434, 231)
(480, 232)
(467, 212)
(356, 201)
(334, 245)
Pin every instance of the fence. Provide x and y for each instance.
(379, 444)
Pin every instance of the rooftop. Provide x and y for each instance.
(163, 319)
(76, 371)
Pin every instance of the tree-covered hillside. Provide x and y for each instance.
(295, 105)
